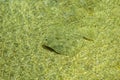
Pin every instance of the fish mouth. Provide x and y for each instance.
(49, 48)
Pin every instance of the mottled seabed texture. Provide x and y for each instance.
(59, 39)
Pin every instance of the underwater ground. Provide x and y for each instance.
(59, 39)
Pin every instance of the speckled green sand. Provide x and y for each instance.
(82, 39)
